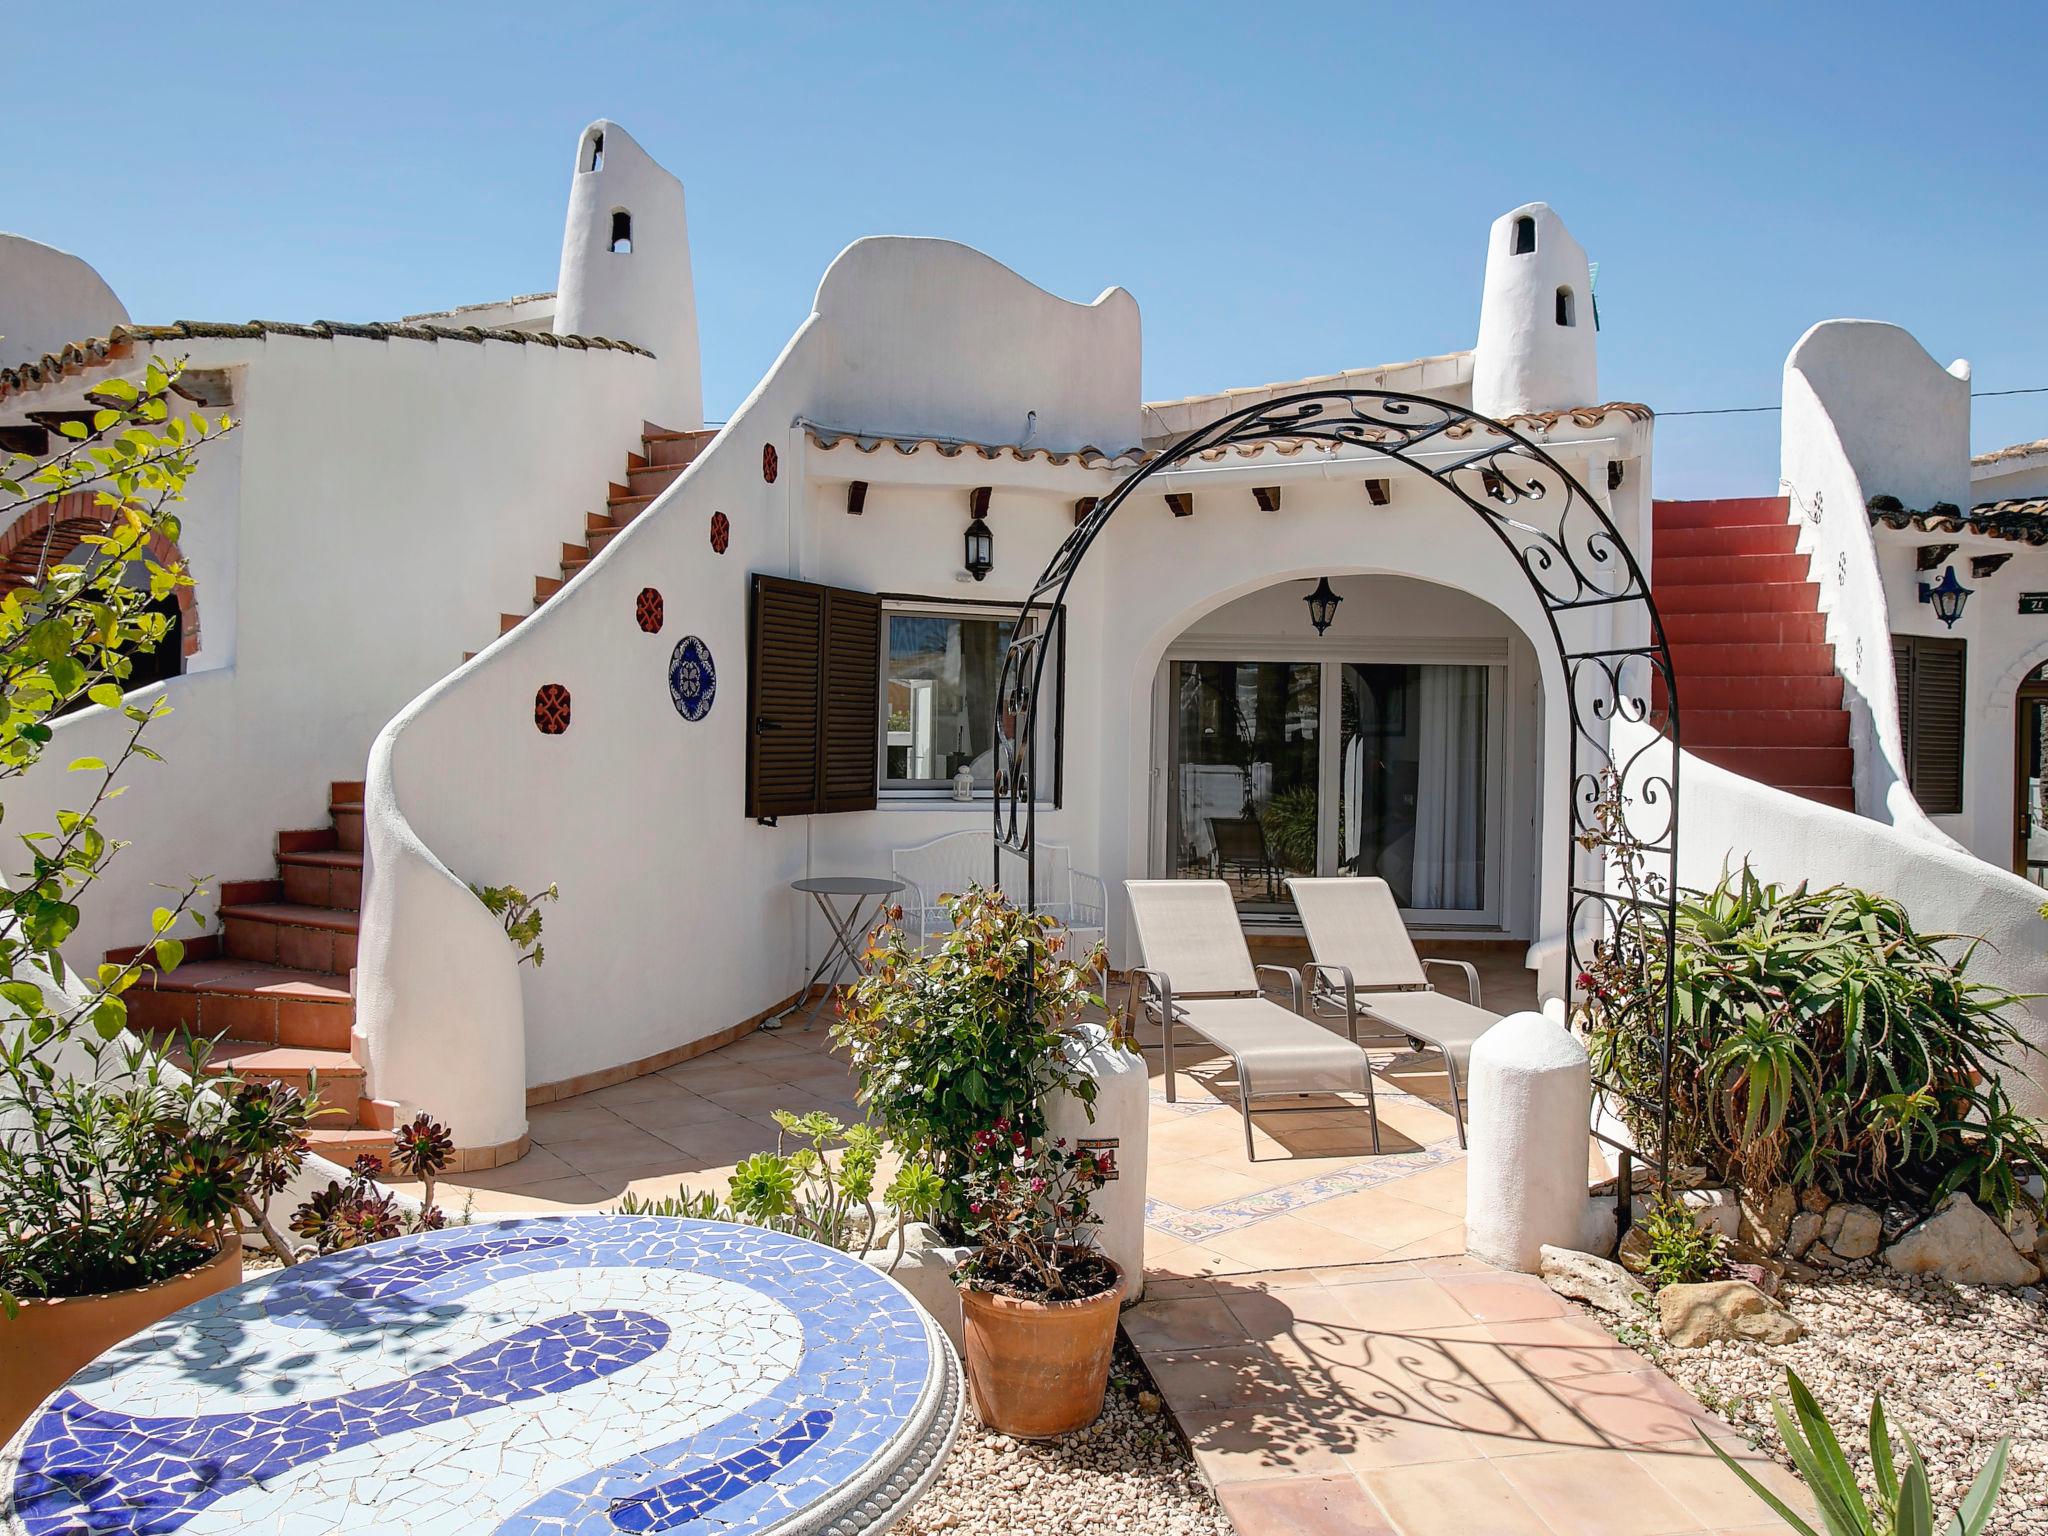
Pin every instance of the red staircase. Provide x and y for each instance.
(271, 987)
(1755, 673)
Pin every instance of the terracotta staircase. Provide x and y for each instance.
(664, 456)
(1755, 673)
(271, 987)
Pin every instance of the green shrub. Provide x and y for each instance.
(1681, 1251)
(1819, 1038)
(945, 1044)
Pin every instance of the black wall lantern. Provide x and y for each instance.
(1948, 598)
(981, 544)
(1322, 606)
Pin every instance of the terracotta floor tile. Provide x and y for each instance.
(1380, 1440)
(1522, 1418)
(676, 1111)
(573, 1193)
(1558, 1348)
(1449, 1243)
(1166, 1287)
(1596, 1493)
(1715, 1496)
(1193, 1322)
(1380, 1216)
(1264, 1440)
(628, 1146)
(1636, 1408)
(1504, 1298)
(1398, 1306)
(1454, 1497)
(1192, 1183)
(1303, 1506)
(1187, 1261)
(721, 1070)
(1285, 1242)
(1220, 1377)
(634, 1090)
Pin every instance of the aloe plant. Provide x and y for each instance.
(1905, 1503)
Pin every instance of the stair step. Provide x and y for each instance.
(1733, 511)
(545, 587)
(302, 938)
(263, 1003)
(306, 840)
(1764, 728)
(653, 479)
(1767, 693)
(576, 552)
(675, 448)
(1701, 569)
(1783, 765)
(348, 792)
(1751, 659)
(1728, 539)
(345, 1146)
(628, 506)
(327, 878)
(571, 567)
(244, 893)
(592, 521)
(1841, 796)
(507, 622)
(597, 538)
(1736, 628)
(335, 1075)
(1728, 597)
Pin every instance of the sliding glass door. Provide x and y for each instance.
(1405, 787)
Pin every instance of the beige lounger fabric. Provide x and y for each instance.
(1355, 923)
(1277, 1050)
(1438, 1019)
(1185, 931)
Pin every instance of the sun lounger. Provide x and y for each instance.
(1365, 967)
(1198, 975)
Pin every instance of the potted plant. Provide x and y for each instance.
(948, 1043)
(1039, 1302)
(120, 1191)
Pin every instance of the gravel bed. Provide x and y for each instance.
(1957, 1365)
(1127, 1472)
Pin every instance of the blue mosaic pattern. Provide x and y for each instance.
(692, 679)
(585, 1375)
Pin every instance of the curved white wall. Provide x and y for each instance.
(645, 295)
(675, 919)
(1525, 360)
(49, 297)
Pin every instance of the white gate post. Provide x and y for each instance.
(1528, 1102)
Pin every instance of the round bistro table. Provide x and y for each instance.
(846, 923)
(588, 1374)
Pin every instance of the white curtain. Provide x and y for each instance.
(1450, 814)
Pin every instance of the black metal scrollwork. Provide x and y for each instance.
(1622, 818)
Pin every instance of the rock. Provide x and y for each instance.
(1596, 1281)
(1691, 1315)
(1741, 1256)
(1634, 1252)
(1149, 1402)
(1962, 1244)
(2023, 1226)
(1767, 1220)
(1803, 1234)
(1755, 1274)
(1814, 1199)
(1851, 1232)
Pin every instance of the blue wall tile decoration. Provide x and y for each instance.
(578, 1376)
(692, 679)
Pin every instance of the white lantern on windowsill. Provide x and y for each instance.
(963, 782)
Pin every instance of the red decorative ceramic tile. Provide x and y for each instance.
(721, 529)
(647, 610)
(551, 709)
(768, 462)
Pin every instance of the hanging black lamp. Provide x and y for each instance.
(1322, 606)
(981, 544)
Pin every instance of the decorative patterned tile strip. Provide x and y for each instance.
(1229, 1215)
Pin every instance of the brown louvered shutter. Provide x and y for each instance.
(1932, 673)
(851, 762)
(813, 698)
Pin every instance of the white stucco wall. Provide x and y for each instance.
(389, 500)
(49, 297)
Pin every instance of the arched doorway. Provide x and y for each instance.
(2030, 777)
(1621, 825)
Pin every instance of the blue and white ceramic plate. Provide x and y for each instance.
(692, 679)
(589, 1375)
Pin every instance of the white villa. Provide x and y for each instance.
(480, 598)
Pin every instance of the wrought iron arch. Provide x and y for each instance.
(1621, 825)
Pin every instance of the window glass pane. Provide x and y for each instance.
(1245, 798)
(1412, 766)
(939, 690)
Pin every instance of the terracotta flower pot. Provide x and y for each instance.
(44, 1344)
(1039, 1368)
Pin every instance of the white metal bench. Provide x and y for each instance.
(947, 866)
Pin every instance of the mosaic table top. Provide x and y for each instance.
(537, 1377)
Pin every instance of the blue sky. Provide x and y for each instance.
(1287, 190)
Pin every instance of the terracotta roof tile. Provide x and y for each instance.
(2016, 451)
(2019, 519)
(118, 344)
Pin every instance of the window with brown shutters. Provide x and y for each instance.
(814, 656)
(1932, 671)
